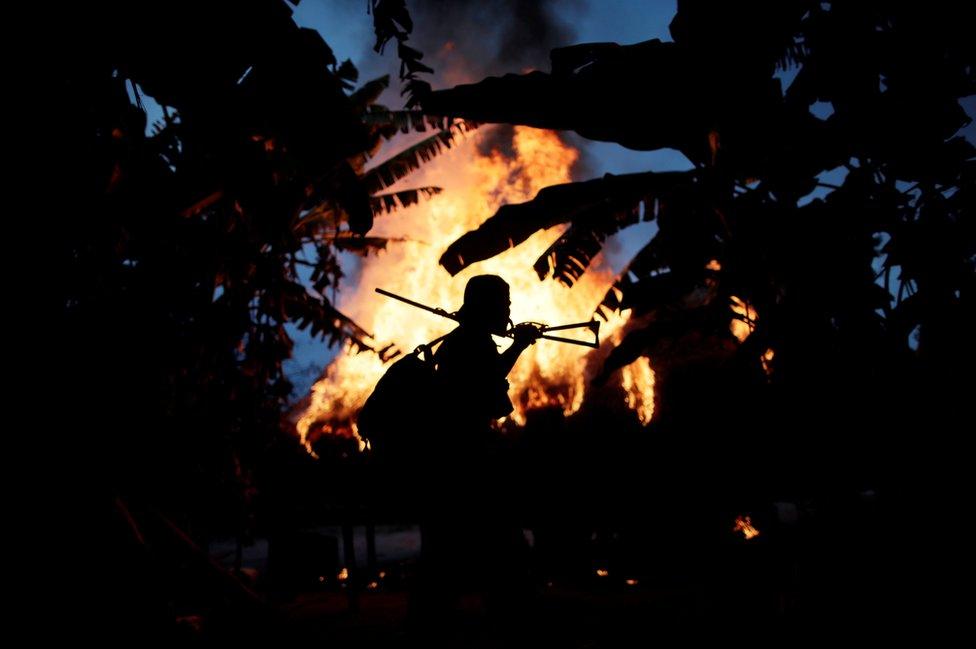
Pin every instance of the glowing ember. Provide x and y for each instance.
(744, 525)
(637, 380)
(343, 574)
(741, 328)
(548, 373)
(631, 582)
(602, 573)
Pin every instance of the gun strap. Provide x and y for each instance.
(429, 347)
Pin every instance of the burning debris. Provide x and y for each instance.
(743, 525)
(476, 185)
(745, 323)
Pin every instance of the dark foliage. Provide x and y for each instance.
(175, 254)
(735, 225)
(176, 260)
(859, 363)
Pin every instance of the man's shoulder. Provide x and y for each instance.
(467, 344)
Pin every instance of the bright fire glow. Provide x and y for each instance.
(742, 328)
(548, 373)
(744, 525)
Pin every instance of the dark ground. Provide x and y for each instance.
(803, 579)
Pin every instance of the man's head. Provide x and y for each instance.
(487, 303)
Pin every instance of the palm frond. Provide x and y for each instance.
(392, 201)
(321, 215)
(596, 208)
(362, 246)
(315, 313)
(406, 121)
(352, 194)
(404, 163)
(347, 71)
(366, 95)
(570, 255)
(390, 20)
(647, 273)
(674, 335)
(677, 261)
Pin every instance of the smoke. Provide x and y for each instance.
(464, 41)
(467, 40)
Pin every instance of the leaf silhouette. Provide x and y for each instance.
(409, 160)
(596, 208)
(391, 202)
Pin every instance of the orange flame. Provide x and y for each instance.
(744, 525)
(548, 373)
(741, 328)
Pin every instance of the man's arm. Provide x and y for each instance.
(525, 335)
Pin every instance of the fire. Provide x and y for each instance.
(637, 380)
(548, 373)
(744, 525)
(742, 328)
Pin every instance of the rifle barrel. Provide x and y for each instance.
(592, 325)
(440, 312)
(584, 343)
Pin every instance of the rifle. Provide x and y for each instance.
(592, 325)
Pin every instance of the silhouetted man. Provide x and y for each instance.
(470, 538)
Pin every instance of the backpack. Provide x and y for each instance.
(388, 418)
